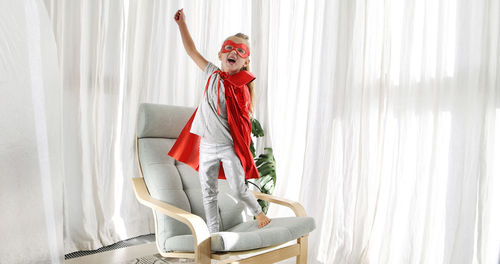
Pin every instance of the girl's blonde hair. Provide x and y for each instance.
(247, 68)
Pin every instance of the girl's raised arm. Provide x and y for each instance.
(187, 41)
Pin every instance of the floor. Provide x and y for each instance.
(145, 239)
(120, 255)
(131, 254)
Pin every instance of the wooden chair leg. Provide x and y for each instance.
(202, 252)
(302, 257)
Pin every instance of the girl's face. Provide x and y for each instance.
(233, 55)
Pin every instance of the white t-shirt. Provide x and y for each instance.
(207, 123)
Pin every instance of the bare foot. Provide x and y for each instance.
(262, 220)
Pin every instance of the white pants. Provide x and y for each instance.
(211, 154)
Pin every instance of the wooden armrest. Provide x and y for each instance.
(195, 223)
(297, 208)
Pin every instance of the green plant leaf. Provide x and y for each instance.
(266, 165)
(268, 185)
(266, 171)
(252, 148)
(257, 130)
(264, 205)
(264, 180)
(270, 150)
(262, 159)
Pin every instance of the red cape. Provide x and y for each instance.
(186, 148)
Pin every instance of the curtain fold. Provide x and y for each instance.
(31, 167)
(390, 129)
(384, 117)
(115, 55)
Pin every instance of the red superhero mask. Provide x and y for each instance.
(240, 48)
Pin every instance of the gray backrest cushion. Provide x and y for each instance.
(168, 180)
(161, 121)
(163, 181)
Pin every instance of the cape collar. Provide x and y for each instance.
(238, 79)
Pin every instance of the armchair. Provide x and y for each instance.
(172, 190)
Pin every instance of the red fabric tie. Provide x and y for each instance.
(224, 76)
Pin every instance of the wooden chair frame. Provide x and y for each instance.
(201, 236)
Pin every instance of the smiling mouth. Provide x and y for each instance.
(231, 61)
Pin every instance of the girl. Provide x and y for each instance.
(221, 126)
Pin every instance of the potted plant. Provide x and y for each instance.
(266, 165)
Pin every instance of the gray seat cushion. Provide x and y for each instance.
(247, 236)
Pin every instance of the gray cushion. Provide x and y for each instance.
(166, 121)
(247, 236)
(164, 183)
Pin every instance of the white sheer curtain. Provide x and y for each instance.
(115, 55)
(384, 118)
(31, 168)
